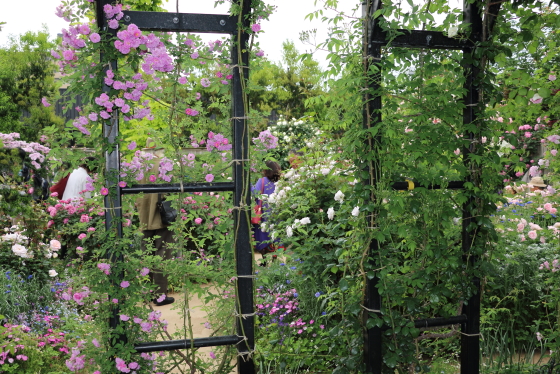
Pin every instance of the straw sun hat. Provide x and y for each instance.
(537, 182)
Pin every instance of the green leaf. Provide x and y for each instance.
(343, 285)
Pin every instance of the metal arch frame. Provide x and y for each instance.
(199, 23)
(374, 39)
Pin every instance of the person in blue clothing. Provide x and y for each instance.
(266, 184)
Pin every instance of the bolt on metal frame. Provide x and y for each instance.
(200, 23)
(375, 40)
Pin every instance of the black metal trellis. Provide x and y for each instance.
(375, 39)
(200, 23)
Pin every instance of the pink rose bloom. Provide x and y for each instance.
(82, 236)
(152, 178)
(124, 317)
(144, 271)
(122, 184)
(78, 297)
(256, 27)
(84, 218)
(104, 191)
(125, 284)
(198, 221)
(127, 223)
(554, 152)
(45, 102)
(212, 355)
(209, 178)
(95, 38)
(532, 234)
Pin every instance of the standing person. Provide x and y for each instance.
(266, 184)
(76, 184)
(154, 229)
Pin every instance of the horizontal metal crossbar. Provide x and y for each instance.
(187, 343)
(440, 321)
(454, 185)
(435, 322)
(182, 22)
(421, 39)
(177, 187)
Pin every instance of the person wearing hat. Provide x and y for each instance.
(537, 183)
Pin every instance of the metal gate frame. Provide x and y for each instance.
(375, 39)
(199, 23)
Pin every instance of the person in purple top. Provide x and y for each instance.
(271, 175)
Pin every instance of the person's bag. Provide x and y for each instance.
(167, 213)
(257, 210)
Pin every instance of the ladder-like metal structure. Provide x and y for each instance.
(200, 23)
(375, 39)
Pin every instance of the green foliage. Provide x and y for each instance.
(285, 88)
(26, 76)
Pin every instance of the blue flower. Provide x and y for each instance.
(30, 276)
(53, 290)
(317, 294)
(513, 210)
(295, 294)
(324, 313)
(293, 268)
(8, 291)
(282, 264)
(288, 281)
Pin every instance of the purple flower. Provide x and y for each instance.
(183, 80)
(161, 298)
(95, 38)
(194, 55)
(260, 53)
(113, 24)
(212, 355)
(144, 271)
(125, 284)
(131, 146)
(209, 178)
(124, 317)
(205, 82)
(45, 102)
(256, 27)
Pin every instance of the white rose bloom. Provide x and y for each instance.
(55, 245)
(55, 255)
(305, 221)
(53, 273)
(452, 31)
(272, 198)
(356, 211)
(325, 171)
(296, 223)
(339, 196)
(263, 226)
(289, 232)
(19, 250)
(48, 255)
(330, 213)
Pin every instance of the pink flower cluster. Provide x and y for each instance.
(37, 152)
(546, 265)
(218, 142)
(265, 141)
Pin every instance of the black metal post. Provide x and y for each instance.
(470, 337)
(112, 202)
(242, 195)
(373, 354)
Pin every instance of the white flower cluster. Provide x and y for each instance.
(17, 239)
